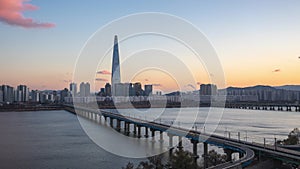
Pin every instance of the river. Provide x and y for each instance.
(56, 139)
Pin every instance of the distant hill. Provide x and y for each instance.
(289, 87)
(258, 87)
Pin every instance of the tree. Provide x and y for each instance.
(129, 166)
(182, 160)
(293, 137)
(179, 160)
(214, 158)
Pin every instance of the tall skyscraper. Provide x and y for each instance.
(82, 89)
(73, 89)
(1, 95)
(116, 76)
(138, 89)
(208, 89)
(22, 94)
(85, 89)
(8, 94)
(35, 96)
(107, 89)
(148, 90)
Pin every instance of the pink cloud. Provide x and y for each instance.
(101, 79)
(104, 72)
(11, 12)
(157, 85)
(276, 70)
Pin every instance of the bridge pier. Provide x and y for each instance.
(161, 135)
(139, 131)
(205, 155)
(100, 118)
(126, 128)
(288, 108)
(95, 116)
(170, 144)
(228, 154)
(195, 151)
(297, 108)
(180, 147)
(111, 122)
(146, 132)
(118, 125)
(153, 134)
(134, 129)
(241, 155)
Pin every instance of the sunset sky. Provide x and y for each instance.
(258, 42)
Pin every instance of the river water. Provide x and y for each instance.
(56, 139)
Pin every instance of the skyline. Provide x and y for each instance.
(254, 48)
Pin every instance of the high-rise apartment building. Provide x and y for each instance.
(73, 89)
(8, 94)
(85, 89)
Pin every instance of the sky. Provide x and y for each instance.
(257, 42)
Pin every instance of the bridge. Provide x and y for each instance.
(265, 106)
(247, 151)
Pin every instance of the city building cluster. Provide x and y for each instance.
(134, 92)
(22, 94)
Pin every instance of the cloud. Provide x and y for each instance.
(67, 81)
(198, 83)
(276, 70)
(11, 12)
(101, 79)
(157, 85)
(104, 72)
(146, 80)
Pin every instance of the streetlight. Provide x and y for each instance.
(246, 138)
(275, 142)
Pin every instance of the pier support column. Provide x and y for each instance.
(195, 151)
(180, 147)
(161, 135)
(228, 154)
(134, 129)
(111, 122)
(152, 134)
(139, 131)
(127, 128)
(118, 125)
(96, 117)
(170, 144)
(241, 155)
(146, 132)
(100, 118)
(205, 154)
